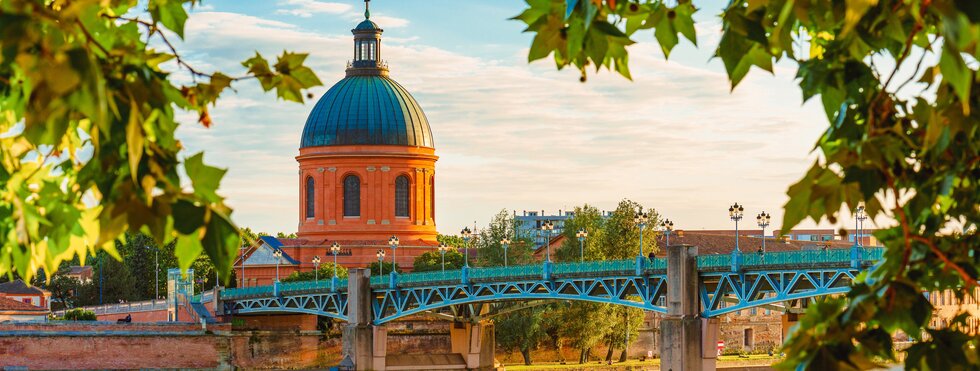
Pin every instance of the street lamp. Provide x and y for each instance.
(278, 255)
(581, 234)
(335, 249)
(381, 261)
(316, 268)
(668, 227)
(505, 243)
(442, 251)
(466, 233)
(641, 220)
(763, 220)
(735, 212)
(393, 242)
(860, 217)
(546, 227)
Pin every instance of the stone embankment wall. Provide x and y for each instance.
(110, 345)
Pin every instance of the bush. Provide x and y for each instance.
(79, 314)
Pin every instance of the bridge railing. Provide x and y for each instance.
(284, 287)
(718, 262)
(138, 306)
(804, 258)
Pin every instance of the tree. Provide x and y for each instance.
(588, 218)
(584, 324)
(521, 330)
(141, 256)
(898, 83)
(491, 251)
(79, 314)
(388, 266)
(325, 272)
(432, 261)
(621, 233)
(111, 281)
(450, 240)
(285, 235)
(87, 112)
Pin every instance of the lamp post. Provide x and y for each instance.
(581, 234)
(442, 251)
(466, 233)
(763, 221)
(393, 242)
(335, 249)
(859, 218)
(381, 261)
(735, 212)
(505, 243)
(316, 268)
(546, 227)
(668, 227)
(641, 220)
(278, 255)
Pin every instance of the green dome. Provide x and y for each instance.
(367, 110)
(367, 24)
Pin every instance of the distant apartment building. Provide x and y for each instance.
(528, 224)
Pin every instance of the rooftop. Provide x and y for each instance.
(11, 305)
(18, 287)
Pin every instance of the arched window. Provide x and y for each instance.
(310, 198)
(352, 196)
(401, 196)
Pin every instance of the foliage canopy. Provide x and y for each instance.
(898, 83)
(87, 119)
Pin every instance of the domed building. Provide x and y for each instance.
(366, 173)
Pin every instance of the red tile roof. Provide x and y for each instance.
(18, 287)
(10, 305)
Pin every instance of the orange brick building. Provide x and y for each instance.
(366, 173)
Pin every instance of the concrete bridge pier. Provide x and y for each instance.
(476, 342)
(363, 343)
(688, 341)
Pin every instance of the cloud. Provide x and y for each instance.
(307, 8)
(518, 136)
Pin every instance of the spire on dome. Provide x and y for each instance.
(367, 12)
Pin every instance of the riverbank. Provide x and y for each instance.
(749, 363)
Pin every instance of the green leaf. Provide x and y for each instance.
(134, 141)
(956, 74)
(170, 13)
(204, 178)
(855, 10)
(188, 248)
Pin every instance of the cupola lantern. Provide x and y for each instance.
(367, 48)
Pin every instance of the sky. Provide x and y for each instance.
(511, 135)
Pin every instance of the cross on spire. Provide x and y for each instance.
(367, 12)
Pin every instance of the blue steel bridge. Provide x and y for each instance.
(726, 283)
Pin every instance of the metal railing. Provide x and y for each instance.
(805, 258)
(137, 306)
(284, 287)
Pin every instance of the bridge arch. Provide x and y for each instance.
(649, 291)
(332, 305)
